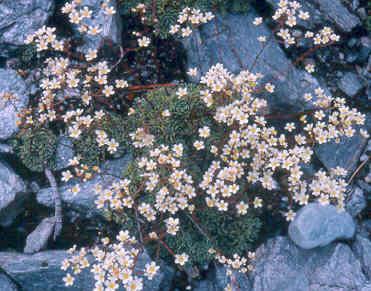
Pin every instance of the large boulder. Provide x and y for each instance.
(20, 18)
(84, 201)
(281, 265)
(232, 41)
(316, 225)
(12, 85)
(12, 195)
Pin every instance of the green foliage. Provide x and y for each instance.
(36, 148)
(167, 11)
(227, 233)
(28, 55)
(233, 234)
(87, 147)
(187, 115)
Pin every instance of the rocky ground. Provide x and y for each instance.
(322, 249)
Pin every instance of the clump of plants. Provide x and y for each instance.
(36, 148)
(163, 14)
(206, 159)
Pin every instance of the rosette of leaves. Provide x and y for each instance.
(187, 114)
(167, 11)
(87, 147)
(36, 148)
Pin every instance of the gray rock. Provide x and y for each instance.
(12, 195)
(322, 11)
(20, 18)
(38, 239)
(344, 154)
(5, 149)
(335, 11)
(279, 252)
(205, 285)
(342, 271)
(350, 84)
(364, 228)
(367, 287)
(84, 201)
(232, 41)
(280, 265)
(217, 279)
(161, 281)
(42, 271)
(362, 249)
(316, 17)
(64, 152)
(316, 226)
(111, 25)
(240, 280)
(13, 84)
(356, 201)
(7, 284)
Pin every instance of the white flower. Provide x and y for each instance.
(166, 113)
(257, 21)
(192, 72)
(242, 208)
(121, 84)
(269, 87)
(112, 146)
(290, 215)
(91, 55)
(144, 41)
(66, 176)
(174, 29)
(75, 189)
(258, 202)
(309, 68)
(187, 31)
(290, 126)
(364, 133)
(151, 270)
(108, 91)
(204, 132)
(181, 259)
(181, 92)
(262, 38)
(109, 10)
(304, 15)
(68, 280)
(199, 145)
